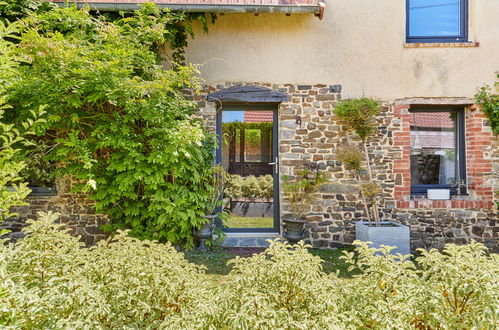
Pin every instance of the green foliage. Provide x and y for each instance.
(456, 289)
(39, 170)
(351, 157)
(116, 120)
(181, 28)
(250, 187)
(283, 287)
(359, 115)
(12, 189)
(301, 189)
(252, 131)
(488, 98)
(49, 280)
(217, 181)
(14, 9)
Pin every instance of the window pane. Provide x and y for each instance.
(433, 148)
(434, 18)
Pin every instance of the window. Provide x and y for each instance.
(437, 20)
(437, 150)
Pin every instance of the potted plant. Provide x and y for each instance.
(217, 181)
(300, 192)
(360, 116)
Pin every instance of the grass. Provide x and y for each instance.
(216, 261)
(249, 222)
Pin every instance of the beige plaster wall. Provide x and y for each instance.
(359, 44)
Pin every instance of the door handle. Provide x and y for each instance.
(276, 165)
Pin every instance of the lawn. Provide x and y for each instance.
(235, 221)
(216, 261)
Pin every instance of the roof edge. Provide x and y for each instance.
(202, 8)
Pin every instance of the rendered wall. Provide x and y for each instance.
(359, 44)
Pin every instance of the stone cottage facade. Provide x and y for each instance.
(331, 218)
(318, 53)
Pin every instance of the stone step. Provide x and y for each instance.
(248, 239)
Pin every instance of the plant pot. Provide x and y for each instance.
(293, 229)
(206, 231)
(389, 234)
(438, 194)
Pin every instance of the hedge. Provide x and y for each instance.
(49, 280)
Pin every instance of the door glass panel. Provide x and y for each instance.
(247, 147)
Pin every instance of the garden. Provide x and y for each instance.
(87, 97)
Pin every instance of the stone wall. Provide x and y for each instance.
(337, 207)
(77, 212)
(315, 138)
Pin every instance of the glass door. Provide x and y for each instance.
(248, 152)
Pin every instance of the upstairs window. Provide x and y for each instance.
(437, 150)
(437, 20)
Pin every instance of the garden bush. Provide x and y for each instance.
(12, 137)
(116, 120)
(49, 280)
(488, 98)
(250, 187)
(282, 288)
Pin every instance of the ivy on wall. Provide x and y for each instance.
(488, 98)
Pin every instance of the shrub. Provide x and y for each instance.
(456, 289)
(250, 187)
(360, 117)
(301, 189)
(116, 119)
(351, 157)
(284, 287)
(13, 9)
(12, 188)
(49, 280)
(488, 98)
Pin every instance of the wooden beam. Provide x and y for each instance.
(247, 94)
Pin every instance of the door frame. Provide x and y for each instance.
(274, 107)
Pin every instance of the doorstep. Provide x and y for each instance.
(248, 239)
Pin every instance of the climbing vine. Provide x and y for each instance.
(115, 119)
(488, 98)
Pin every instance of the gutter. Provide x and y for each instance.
(318, 9)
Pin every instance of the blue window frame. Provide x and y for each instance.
(437, 21)
(437, 149)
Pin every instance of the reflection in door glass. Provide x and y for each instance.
(246, 153)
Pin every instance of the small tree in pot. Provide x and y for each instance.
(217, 182)
(360, 117)
(300, 192)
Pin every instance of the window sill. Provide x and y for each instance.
(445, 204)
(441, 44)
(42, 191)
